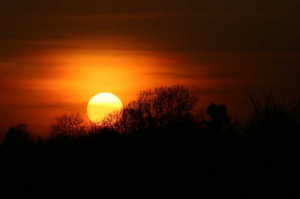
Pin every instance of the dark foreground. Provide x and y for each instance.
(151, 169)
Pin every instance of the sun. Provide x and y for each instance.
(101, 105)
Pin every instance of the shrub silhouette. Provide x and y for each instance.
(18, 137)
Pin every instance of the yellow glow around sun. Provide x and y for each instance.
(101, 105)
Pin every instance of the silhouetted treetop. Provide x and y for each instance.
(271, 118)
(155, 108)
(69, 125)
(18, 136)
(218, 122)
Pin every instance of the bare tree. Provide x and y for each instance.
(156, 109)
(272, 117)
(70, 125)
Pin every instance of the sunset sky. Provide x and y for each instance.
(57, 54)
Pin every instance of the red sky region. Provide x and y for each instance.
(55, 55)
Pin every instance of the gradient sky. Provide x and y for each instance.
(56, 54)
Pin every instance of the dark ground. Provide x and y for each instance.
(176, 168)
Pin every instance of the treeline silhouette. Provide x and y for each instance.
(160, 145)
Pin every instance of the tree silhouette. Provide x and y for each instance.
(271, 118)
(155, 109)
(218, 123)
(68, 125)
(150, 142)
(18, 136)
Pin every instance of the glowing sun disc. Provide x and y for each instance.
(101, 105)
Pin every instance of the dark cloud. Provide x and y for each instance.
(218, 26)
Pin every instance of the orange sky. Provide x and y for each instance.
(56, 55)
